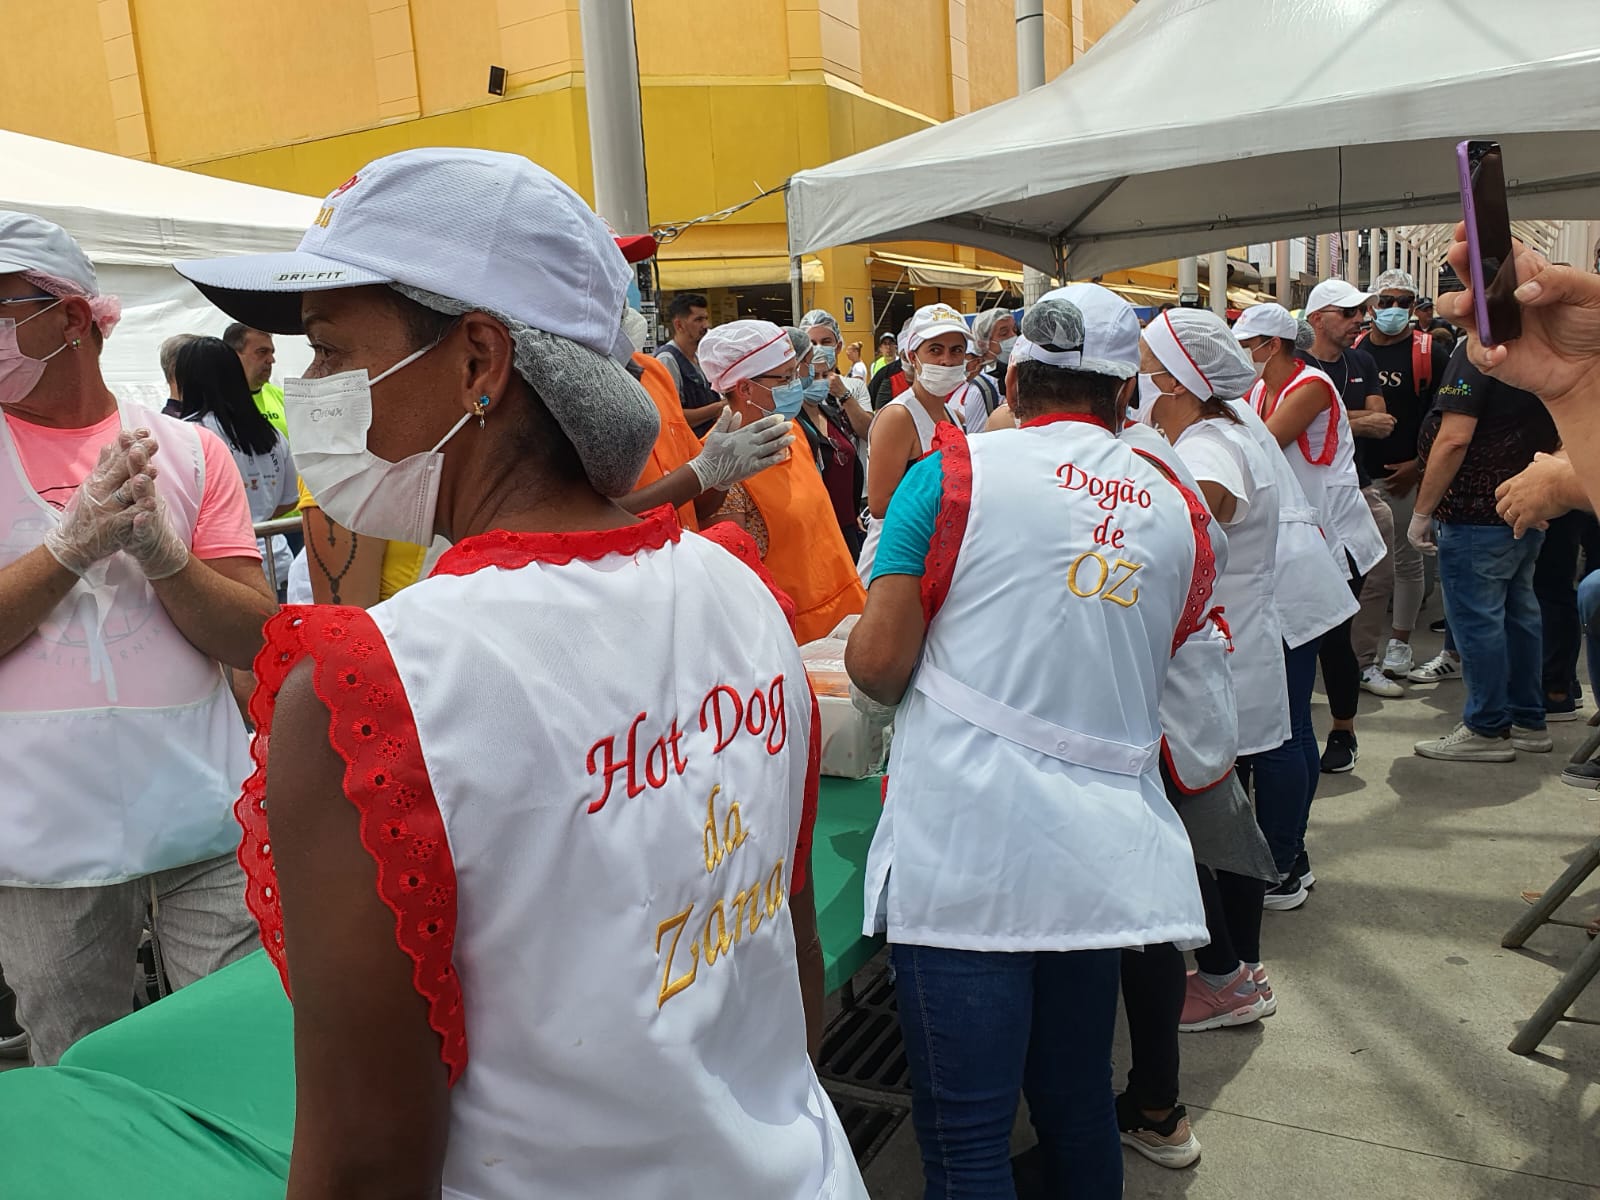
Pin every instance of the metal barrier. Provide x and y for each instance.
(265, 529)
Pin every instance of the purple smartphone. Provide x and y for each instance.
(1489, 253)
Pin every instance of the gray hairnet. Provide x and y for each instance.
(1305, 338)
(1396, 279)
(800, 339)
(1210, 345)
(818, 316)
(983, 324)
(603, 410)
(1054, 322)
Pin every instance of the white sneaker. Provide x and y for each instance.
(1375, 681)
(1444, 666)
(1534, 741)
(1463, 745)
(1398, 659)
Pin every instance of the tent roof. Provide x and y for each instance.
(137, 213)
(1195, 125)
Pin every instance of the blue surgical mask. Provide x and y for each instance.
(825, 356)
(1391, 321)
(816, 390)
(788, 397)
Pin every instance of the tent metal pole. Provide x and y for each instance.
(1280, 259)
(616, 129)
(1218, 270)
(1030, 75)
(797, 289)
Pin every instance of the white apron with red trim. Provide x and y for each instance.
(1323, 459)
(925, 426)
(618, 748)
(1244, 590)
(1024, 808)
(1310, 595)
(122, 747)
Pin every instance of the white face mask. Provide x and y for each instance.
(1149, 396)
(941, 380)
(328, 421)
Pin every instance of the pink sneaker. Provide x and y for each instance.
(1236, 1002)
(1263, 988)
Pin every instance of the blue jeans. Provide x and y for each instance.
(1589, 615)
(1487, 576)
(1286, 778)
(981, 1028)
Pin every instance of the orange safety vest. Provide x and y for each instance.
(676, 444)
(806, 553)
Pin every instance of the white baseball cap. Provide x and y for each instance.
(930, 321)
(1266, 320)
(30, 243)
(1110, 329)
(490, 229)
(1335, 293)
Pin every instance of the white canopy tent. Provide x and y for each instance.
(1195, 125)
(133, 219)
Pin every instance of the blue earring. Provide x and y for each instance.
(481, 407)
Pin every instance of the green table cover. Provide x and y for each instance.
(194, 1097)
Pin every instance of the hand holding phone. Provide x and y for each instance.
(1490, 260)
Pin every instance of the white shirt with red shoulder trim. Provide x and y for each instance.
(1025, 809)
(600, 755)
(1323, 459)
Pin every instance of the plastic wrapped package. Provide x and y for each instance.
(852, 741)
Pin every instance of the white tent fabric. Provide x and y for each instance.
(134, 219)
(1196, 125)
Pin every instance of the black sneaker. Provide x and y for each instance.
(1341, 754)
(1291, 893)
(1302, 868)
(13, 1040)
(1168, 1143)
(1582, 775)
(1439, 626)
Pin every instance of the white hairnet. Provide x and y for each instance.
(636, 327)
(818, 316)
(609, 418)
(1199, 350)
(1396, 279)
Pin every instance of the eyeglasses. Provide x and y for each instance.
(1396, 301)
(28, 299)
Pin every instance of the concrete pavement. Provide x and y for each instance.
(1384, 1073)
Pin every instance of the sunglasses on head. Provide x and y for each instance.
(1396, 301)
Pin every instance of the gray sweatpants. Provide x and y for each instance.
(69, 952)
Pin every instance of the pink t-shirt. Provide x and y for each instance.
(57, 461)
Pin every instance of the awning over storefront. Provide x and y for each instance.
(926, 272)
(697, 274)
(1144, 297)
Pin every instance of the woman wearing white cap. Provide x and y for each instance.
(1304, 417)
(1192, 367)
(934, 347)
(785, 508)
(567, 967)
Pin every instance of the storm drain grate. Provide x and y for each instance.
(869, 1124)
(862, 1046)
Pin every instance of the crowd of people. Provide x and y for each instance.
(1088, 569)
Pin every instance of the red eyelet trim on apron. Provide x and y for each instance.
(1204, 577)
(373, 730)
(950, 526)
(501, 548)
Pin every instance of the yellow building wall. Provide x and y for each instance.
(48, 90)
(736, 95)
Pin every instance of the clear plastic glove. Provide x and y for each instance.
(149, 537)
(99, 515)
(879, 716)
(1420, 533)
(734, 451)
